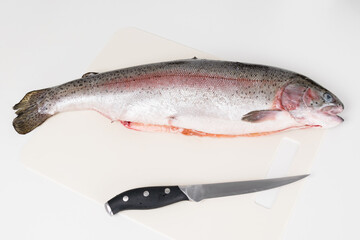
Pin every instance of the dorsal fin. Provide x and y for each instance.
(88, 74)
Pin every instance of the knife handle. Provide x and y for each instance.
(145, 198)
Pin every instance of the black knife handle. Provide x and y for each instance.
(145, 198)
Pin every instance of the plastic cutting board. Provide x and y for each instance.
(87, 153)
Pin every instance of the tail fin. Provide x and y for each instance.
(28, 113)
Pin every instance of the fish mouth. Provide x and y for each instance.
(333, 111)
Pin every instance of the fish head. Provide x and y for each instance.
(311, 104)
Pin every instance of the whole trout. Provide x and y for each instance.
(192, 97)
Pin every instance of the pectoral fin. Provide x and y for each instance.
(260, 116)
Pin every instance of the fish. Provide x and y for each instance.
(194, 97)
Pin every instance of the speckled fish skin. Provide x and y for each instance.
(214, 97)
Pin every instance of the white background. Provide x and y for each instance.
(44, 43)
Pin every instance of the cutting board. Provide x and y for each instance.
(97, 158)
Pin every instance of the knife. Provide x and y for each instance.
(155, 197)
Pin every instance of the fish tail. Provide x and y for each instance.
(28, 113)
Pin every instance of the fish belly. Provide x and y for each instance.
(185, 108)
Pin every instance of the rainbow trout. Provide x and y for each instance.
(192, 97)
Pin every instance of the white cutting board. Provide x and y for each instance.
(99, 159)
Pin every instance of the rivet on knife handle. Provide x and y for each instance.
(145, 198)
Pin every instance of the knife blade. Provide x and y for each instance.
(160, 196)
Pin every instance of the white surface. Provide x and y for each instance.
(283, 159)
(56, 40)
(100, 159)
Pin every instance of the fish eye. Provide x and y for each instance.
(328, 97)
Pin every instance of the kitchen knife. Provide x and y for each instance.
(155, 197)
